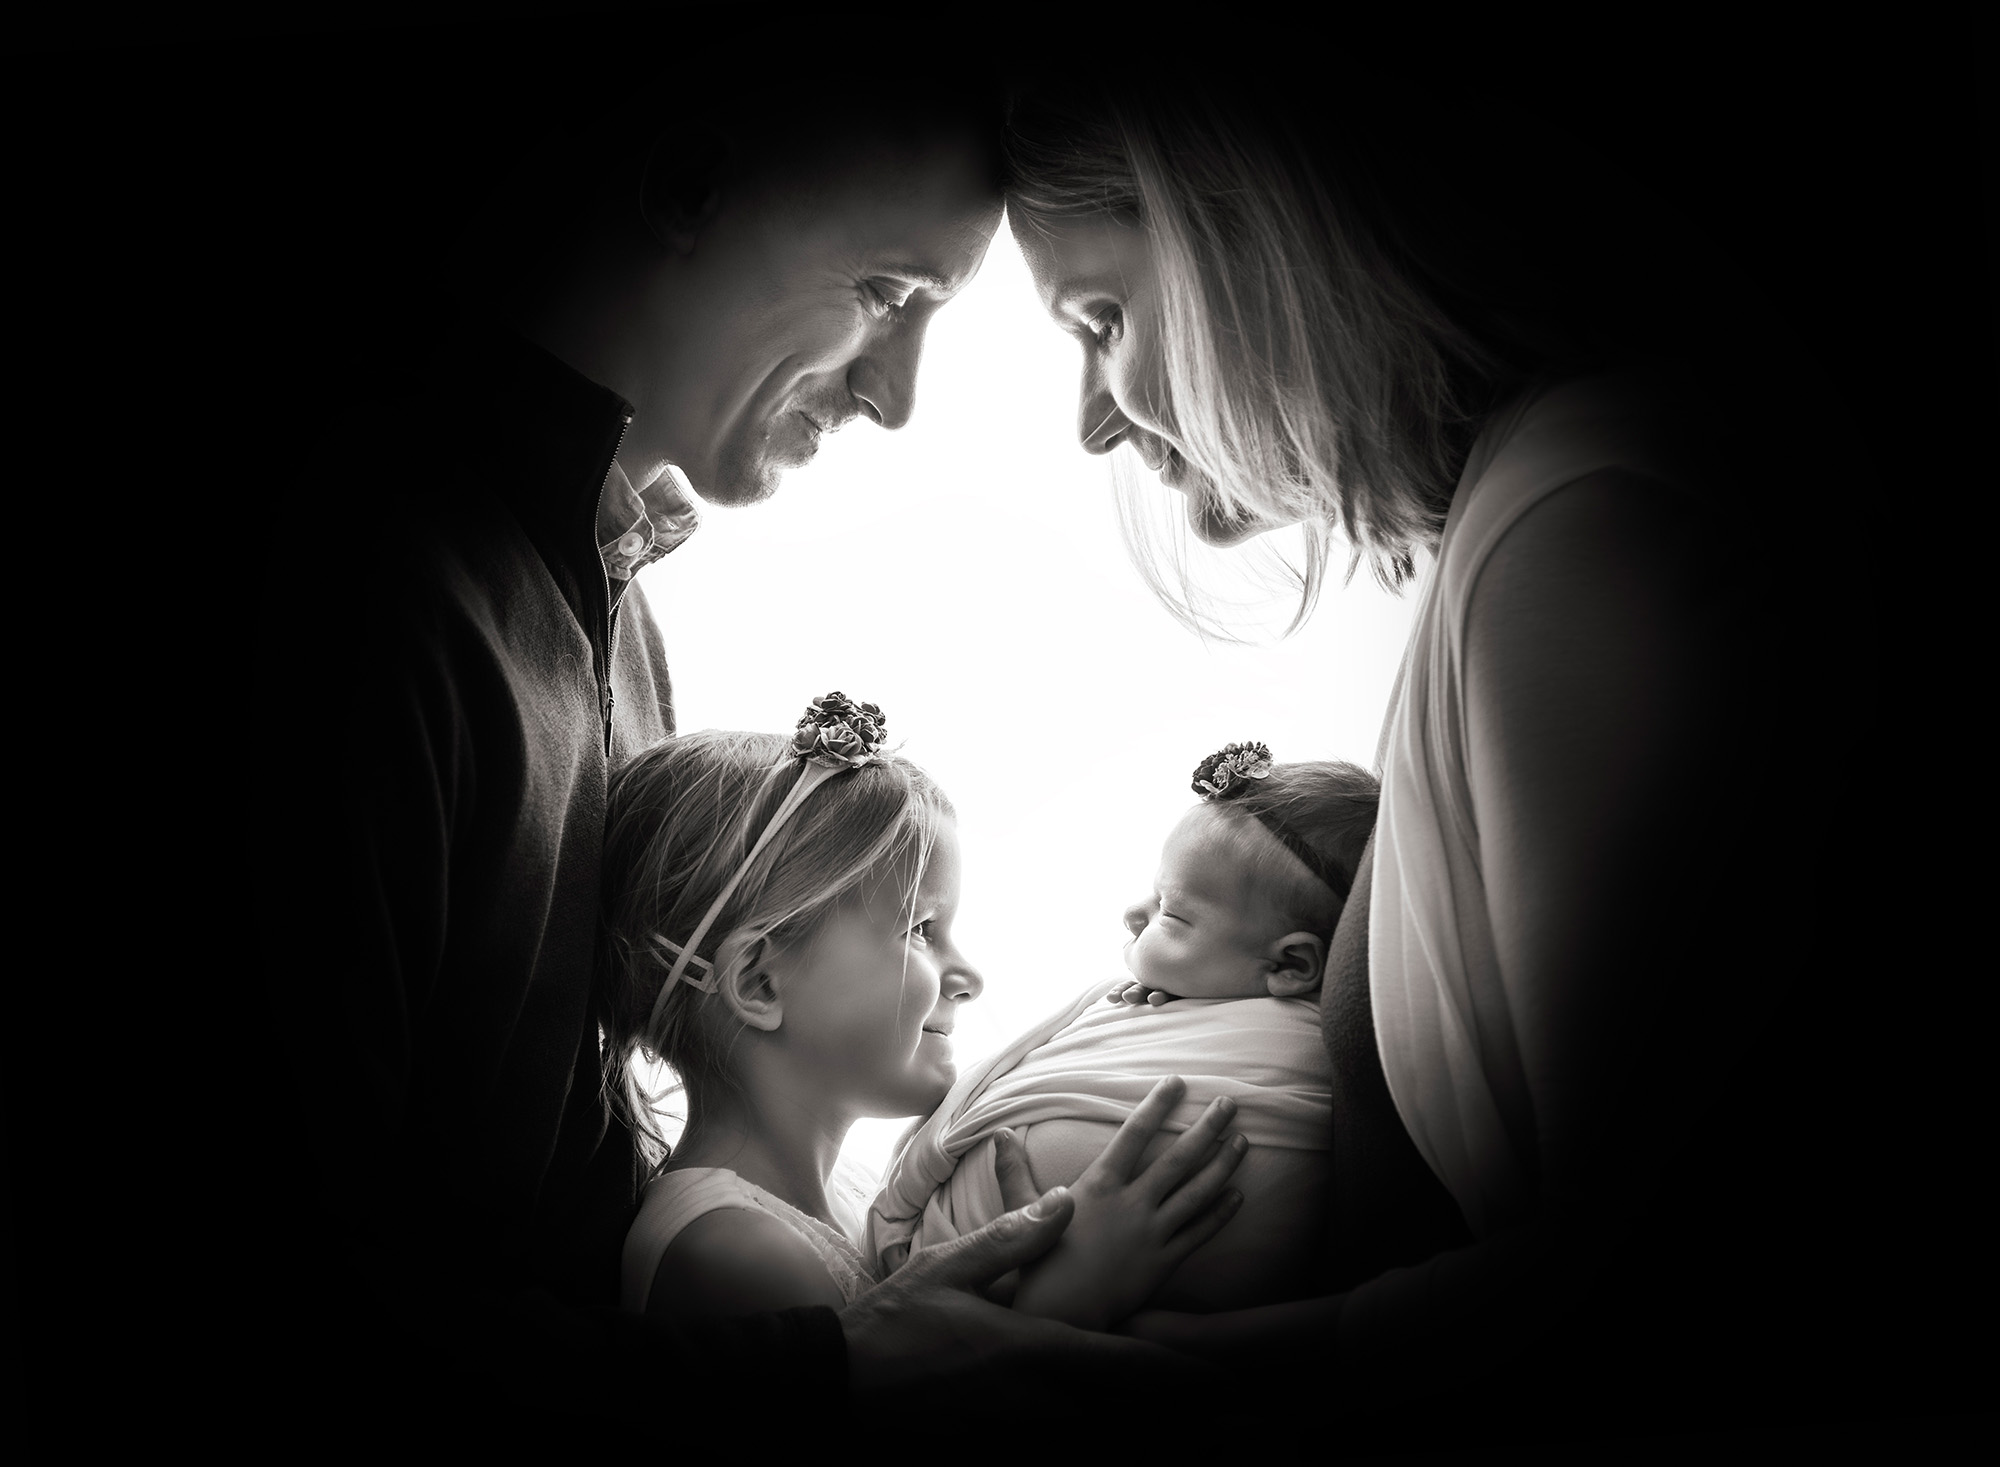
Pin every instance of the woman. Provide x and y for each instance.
(1541, 406)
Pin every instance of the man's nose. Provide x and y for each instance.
(1136, 917)
(884, 379)
(1100, 426)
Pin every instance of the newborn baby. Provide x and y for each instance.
(1226, 958)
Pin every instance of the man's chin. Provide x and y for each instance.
(735, 485)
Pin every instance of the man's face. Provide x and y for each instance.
(803, 306)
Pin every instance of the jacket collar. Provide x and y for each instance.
(540, 438)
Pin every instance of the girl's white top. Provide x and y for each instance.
(672, 1200)
(1444, 1009)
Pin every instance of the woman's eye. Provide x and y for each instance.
(1107, 326)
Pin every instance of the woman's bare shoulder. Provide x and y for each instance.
(739, 1260)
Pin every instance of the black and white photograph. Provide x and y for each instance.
(1202, 734)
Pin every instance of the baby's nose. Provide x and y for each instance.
(1136, 917)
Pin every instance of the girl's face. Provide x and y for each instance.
(1097, 278)
(869, 1004)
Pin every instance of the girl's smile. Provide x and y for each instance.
(870, 1002)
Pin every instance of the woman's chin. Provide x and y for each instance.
(1214, 527)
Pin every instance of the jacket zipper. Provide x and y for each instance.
(606, 700)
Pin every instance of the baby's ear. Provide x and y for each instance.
(1298, 962)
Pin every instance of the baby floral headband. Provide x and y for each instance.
(1231, 772)
(834, 735)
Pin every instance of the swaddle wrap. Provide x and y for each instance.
(1095, 1061)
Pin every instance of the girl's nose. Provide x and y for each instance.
(962, 980)
(1136, 917)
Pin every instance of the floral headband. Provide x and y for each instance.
(834, 735)
(1228, 773)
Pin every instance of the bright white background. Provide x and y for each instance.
(967, 574)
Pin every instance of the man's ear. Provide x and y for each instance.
(751, 992)
(1298, 962)
(681, 188)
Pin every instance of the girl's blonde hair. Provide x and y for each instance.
(1310, 371)
(682, 816)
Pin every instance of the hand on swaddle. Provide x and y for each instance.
(922, 1340)
(1017, 1190)
(1132, 1231)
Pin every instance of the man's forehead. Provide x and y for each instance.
(913, 167)
(925, 217)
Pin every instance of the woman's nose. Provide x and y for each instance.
(1136, 917)
(1100, 424)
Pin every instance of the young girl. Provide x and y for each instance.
(779, 917)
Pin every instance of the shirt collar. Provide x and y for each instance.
(636, 527)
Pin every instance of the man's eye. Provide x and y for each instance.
(883, 300)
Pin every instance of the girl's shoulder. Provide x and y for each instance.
(708, 1242)
(739, 1260)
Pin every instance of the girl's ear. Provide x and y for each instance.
(750, 991)
(1298, 962)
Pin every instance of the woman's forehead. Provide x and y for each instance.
(1074, 258)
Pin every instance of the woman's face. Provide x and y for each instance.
(1098, 280)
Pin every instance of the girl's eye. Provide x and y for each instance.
(1107, 326)
(922, 930)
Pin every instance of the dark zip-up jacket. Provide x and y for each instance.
(459, 680)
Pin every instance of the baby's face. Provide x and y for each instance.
(1204, 932)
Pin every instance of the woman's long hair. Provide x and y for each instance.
(1343, 299)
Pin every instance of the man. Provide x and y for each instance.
(466, 667)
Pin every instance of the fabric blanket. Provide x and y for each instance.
(1096, 1061)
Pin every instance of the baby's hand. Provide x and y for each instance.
(1137, 993)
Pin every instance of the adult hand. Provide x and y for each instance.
(925, 1332)
(1133, 1228)
(1136, 992)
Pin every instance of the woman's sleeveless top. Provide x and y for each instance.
(672, 1200)
(1441, 1013)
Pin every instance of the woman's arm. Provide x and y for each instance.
(1597, 723)
(1410, 1332)
(737, 1260)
